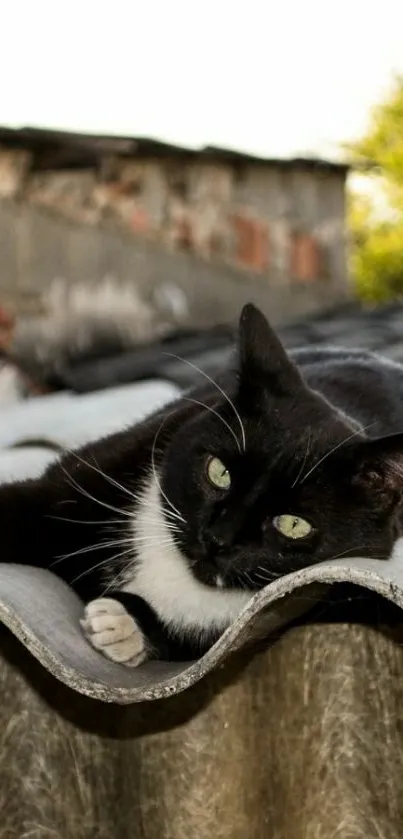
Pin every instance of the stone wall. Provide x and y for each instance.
(284, 222)
(38, 247)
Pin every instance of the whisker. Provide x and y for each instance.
(343, 553)
(172, 514)
(107, 524)
(270, 575)
(213, 411)
(265, 580)
(266, 577)
(216, 385)
(248, 578)
(138, 497)
(122, 575)
(334, 449)
(133, 541)
(175, 513)
(152, 541)
(97, 468)
(87, 521)
(304, 460)
(75, 485)
(149, 541)
(99, 565)
(238, 578)
(118, 579)
(89, 549)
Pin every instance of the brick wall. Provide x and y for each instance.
(284, 223)
(38, 246)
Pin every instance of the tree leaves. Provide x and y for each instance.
(376, 219)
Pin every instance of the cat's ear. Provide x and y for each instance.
(379, 464)
(263, 359)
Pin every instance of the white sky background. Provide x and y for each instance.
(273, 78)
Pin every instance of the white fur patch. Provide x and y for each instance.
(111, 630)
(162, 576)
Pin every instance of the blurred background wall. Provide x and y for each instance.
(210, 228)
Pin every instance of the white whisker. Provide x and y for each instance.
(216, 385)
(267, 576)
(99, 565)
(238, 578)
(265, 580)
(73, 483)
(97, 468)
(334, 449)
(213, 411)
(343, 553)
(152, 540)
(107, 524)
(87, 521)
(175, 513)
(248, 578)
(90, 548)
(304, 460)
(118, 579)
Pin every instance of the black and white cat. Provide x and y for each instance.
(165, 530)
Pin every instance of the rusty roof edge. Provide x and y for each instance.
(234, 155)
(126, 146)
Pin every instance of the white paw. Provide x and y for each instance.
(112, 631)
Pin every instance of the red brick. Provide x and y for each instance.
(305, 258)
(252, 242)
(140, 221)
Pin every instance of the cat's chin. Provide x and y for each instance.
(206, 572)
(213, 573)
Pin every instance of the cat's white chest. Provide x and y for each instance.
(161, 575)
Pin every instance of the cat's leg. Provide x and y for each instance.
(110, 628)
(127, 630)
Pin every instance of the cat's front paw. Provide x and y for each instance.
(111, 630)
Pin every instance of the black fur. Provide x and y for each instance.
(323, 442)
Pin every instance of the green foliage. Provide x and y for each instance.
(382, 146)
(377, 235)
(377, 263)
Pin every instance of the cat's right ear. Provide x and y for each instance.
(262, 357)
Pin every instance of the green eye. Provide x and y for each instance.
(292, 526)
(218, 474)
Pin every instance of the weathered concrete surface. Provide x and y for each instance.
(300, 740)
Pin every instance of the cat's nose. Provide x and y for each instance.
(217, 541)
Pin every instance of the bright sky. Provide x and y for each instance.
(274, 78)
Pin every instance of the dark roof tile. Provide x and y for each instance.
(379, 329)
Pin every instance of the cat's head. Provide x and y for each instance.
(269, 477)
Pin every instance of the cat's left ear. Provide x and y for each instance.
(379, 464)
(263, 359)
